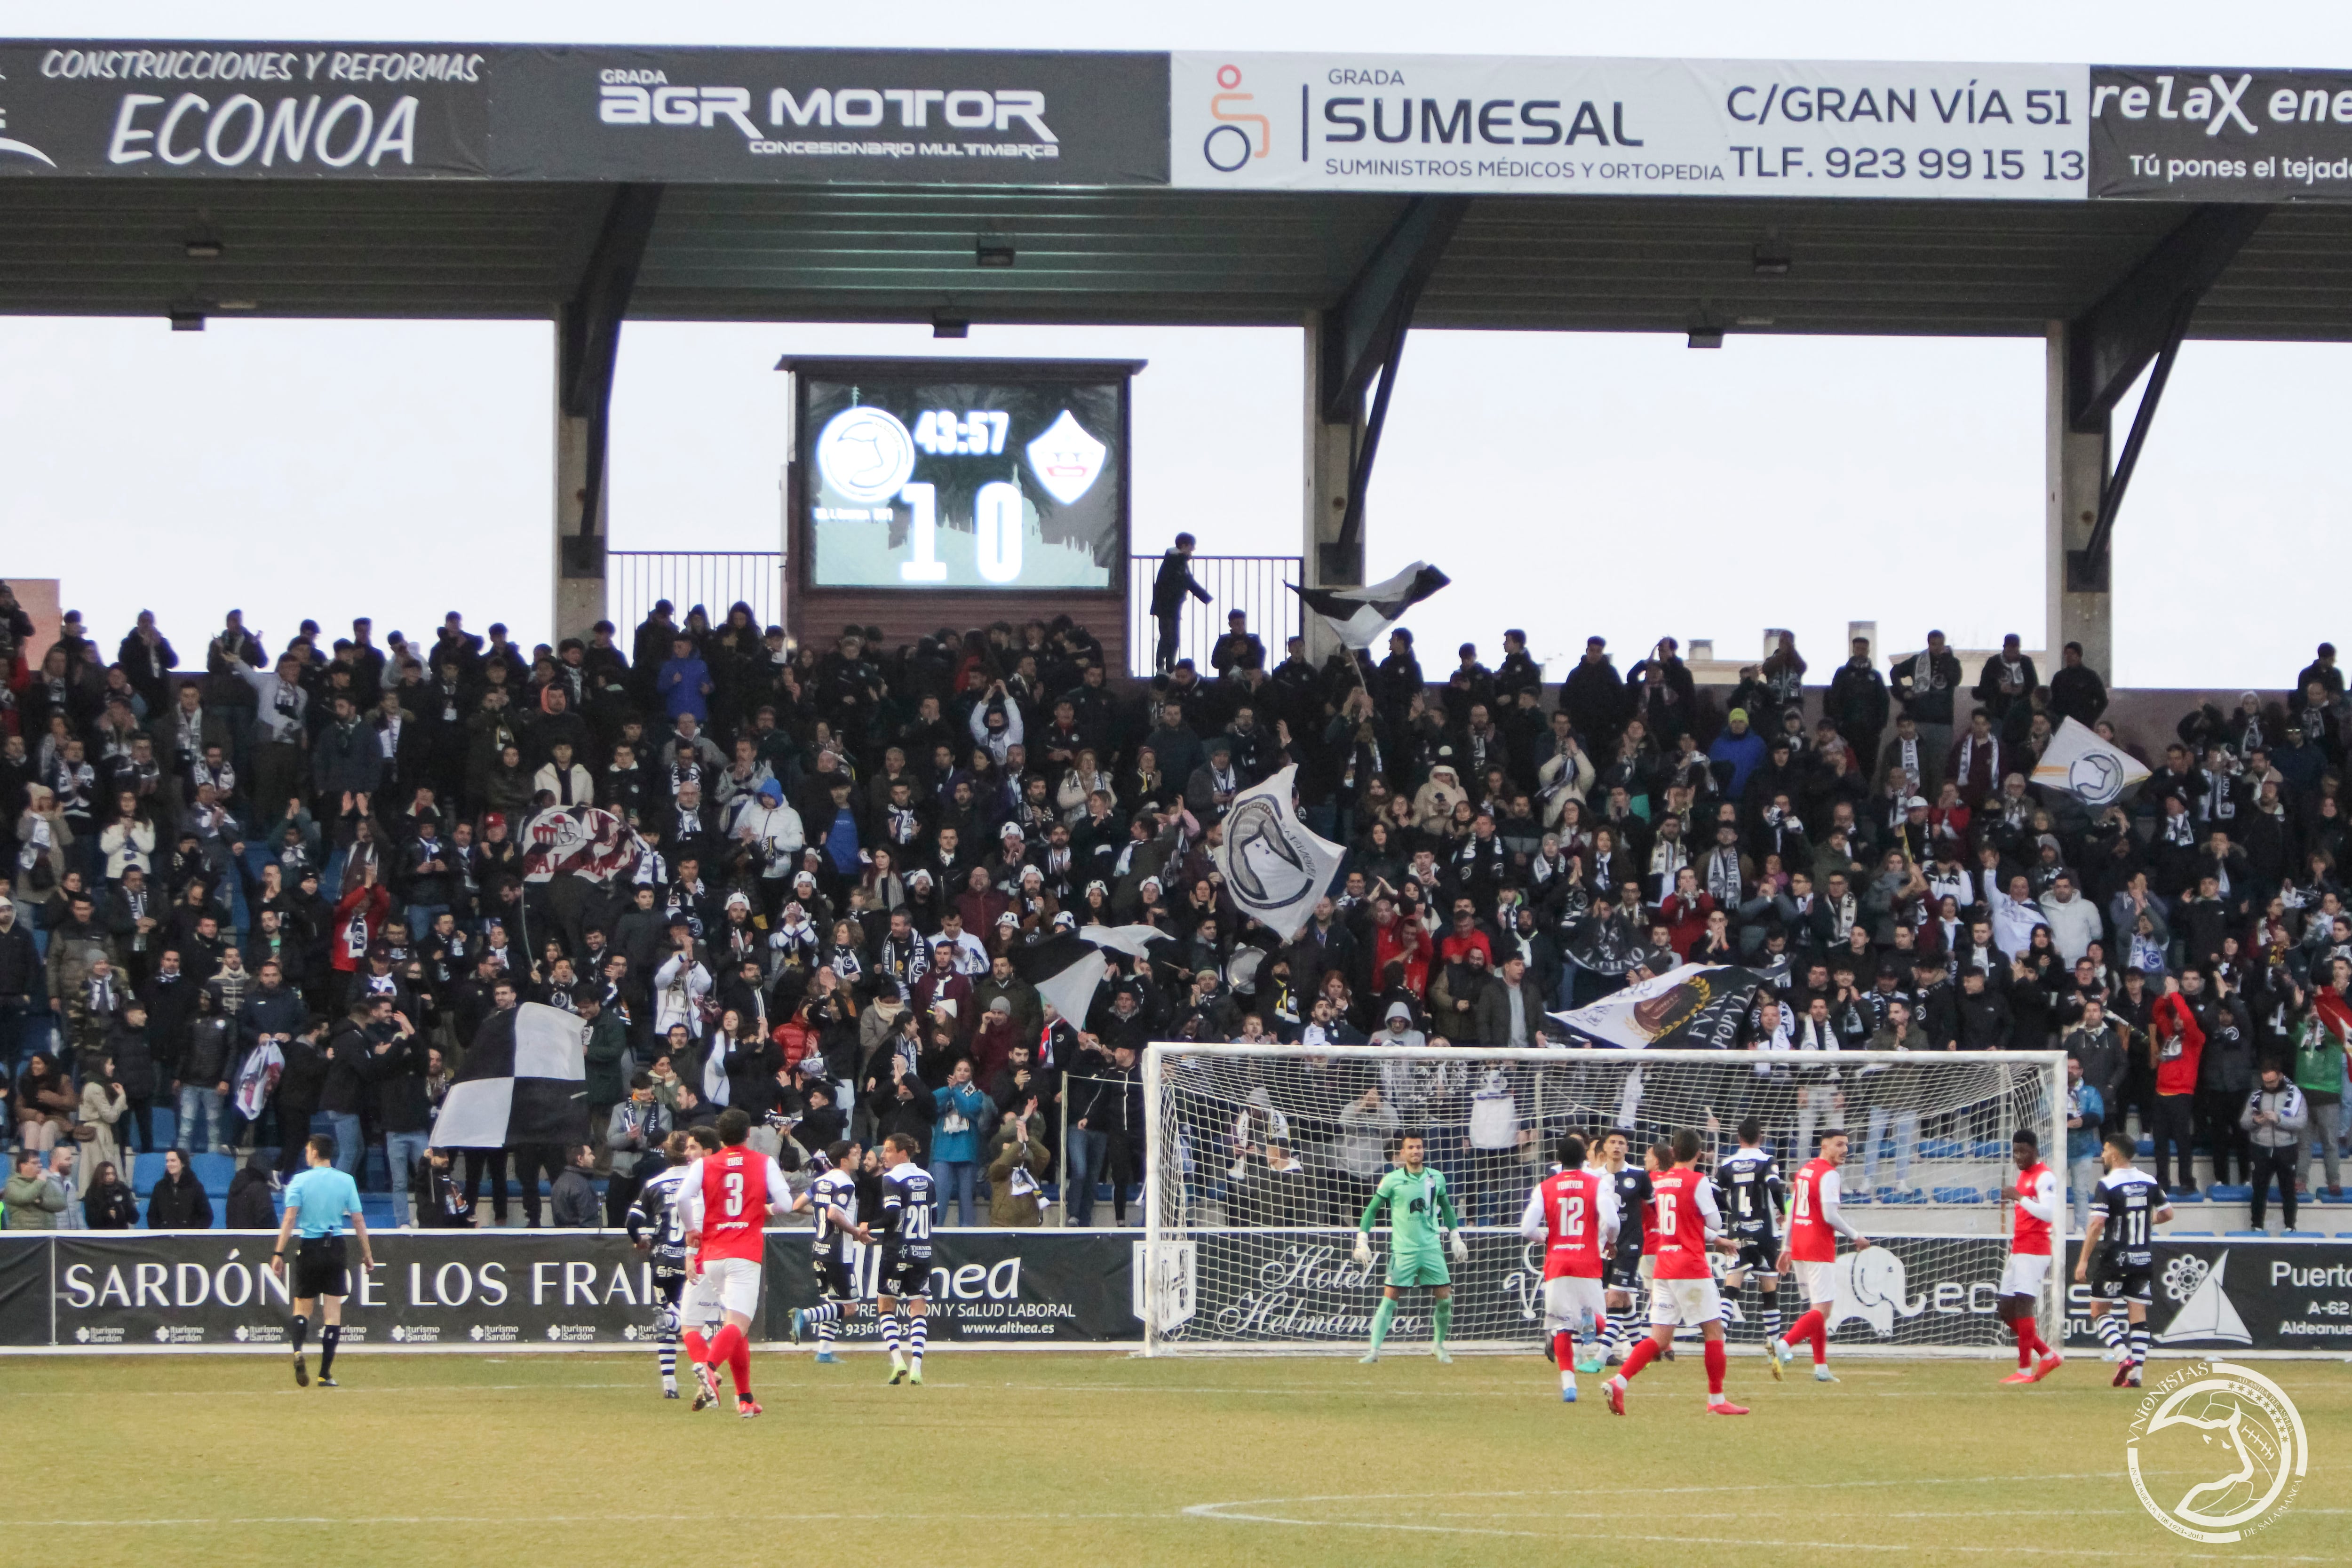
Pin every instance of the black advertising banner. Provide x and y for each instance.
(468, 1290)
(2241, 1294)
(429, 1288)
(24, 1290)
(811, 116)
(2182, 133)
(1260, 1286)
(1003, 1287)
(246, 111)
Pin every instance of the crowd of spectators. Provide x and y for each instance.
(264, 886)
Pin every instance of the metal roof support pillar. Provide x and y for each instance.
(1330, 464)
(2137, 325)
(2074, 467)
(587, 343)
(1347, 345)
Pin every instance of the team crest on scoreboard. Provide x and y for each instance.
(1066, 461)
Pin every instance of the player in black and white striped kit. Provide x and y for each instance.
(832, 1197)
(2120, 1239)
(1747, 1185)
(657, 1230)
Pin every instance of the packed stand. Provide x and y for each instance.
(268, 889)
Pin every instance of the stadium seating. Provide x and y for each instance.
(2226, 1192)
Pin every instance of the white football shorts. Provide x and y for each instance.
(1690, 1303)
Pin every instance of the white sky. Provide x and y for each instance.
(1569, 483)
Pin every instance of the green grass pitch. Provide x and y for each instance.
(1028, 1459)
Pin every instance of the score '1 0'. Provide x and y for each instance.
(996, 534)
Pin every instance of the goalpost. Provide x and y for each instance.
(1242, 1257)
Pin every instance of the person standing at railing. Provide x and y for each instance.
(1168, 586)
(1239, 648)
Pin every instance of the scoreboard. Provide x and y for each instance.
(926, 475)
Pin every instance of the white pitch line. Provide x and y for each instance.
(307, 1520)
(1221, 1512)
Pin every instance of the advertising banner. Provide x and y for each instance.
(999, 1287)
(2182, 133)
(1235, 1286)
(2214, 1296)
(243, 110)
(588, 114)
(24, 1290)
(1493, 125)
(864, 115)
(464, 1289)
(429, 1288)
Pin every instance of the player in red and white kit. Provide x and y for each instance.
(2035, 1192)
(1815, 1222)
(1574, 1213)
(725, 1202)
(1686, 1226)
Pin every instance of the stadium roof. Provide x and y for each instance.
(482, 250)
(132, 180)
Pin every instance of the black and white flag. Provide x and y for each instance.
(524, 1081)
(1690, 1007)
(1274, 868)
(1068, 969)
(1363, 616)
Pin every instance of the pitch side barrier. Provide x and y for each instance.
(513, 1291)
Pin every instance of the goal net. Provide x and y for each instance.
(1260, 1161)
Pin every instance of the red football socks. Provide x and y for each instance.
(2030, 1342)
(698, 1348)
(1814, 1328)
(1716, 1360)
(1641, 1356)
(730, 1346)
(1563, 1351)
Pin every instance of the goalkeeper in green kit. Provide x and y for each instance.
(1420, 1221)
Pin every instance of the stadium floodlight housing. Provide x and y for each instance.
(1233, 1262)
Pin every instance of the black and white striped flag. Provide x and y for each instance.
(1069, 968)
(1363, 616)
(524, 1081)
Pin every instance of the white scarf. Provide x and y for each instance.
(1968, 758)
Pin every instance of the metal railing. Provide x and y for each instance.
(1259, 585)
(714, 579)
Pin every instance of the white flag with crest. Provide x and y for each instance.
(2087, 767)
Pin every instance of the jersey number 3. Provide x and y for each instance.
(734, 1182)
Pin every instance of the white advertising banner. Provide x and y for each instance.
(1475, 124)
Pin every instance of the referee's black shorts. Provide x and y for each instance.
(319, 1268)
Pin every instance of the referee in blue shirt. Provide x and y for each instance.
(316, 1203)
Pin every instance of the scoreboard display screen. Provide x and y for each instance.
(939, 474)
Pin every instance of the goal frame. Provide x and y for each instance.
(1156, 1250)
